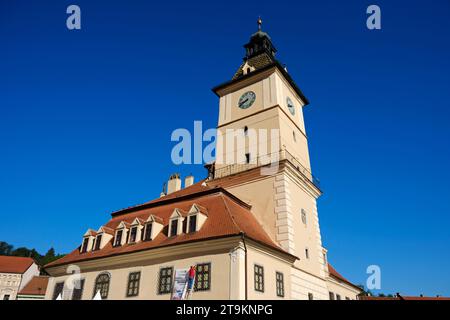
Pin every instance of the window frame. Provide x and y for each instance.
(81, 281)
(189, 225)
(160, 277)
(208, 281)
(304, 217)
(147, 234)
(135, 283)
(131, 240)
(258, 277)
(172, 222)
(101, 289)
(97, 245)
(57, 293)
(279, 284)
(116, 238)
(84, 245)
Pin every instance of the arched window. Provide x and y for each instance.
(102, 285)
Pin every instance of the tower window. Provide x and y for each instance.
(307, 253)
(245, 131)
(247, 158)
(248, 70)
(304, 216)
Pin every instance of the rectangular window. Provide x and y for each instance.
(173, 227)
(338, 297)
(133, 284)
(259, 278)
(304, 216)
(85, 245)
(148, 232)
(310, 296)
(165, 280)
(193, 223)
(58, 290)
(331, 296)
(118, 240)
(98, 242)
(203, 277)
(247, 158)
(133, 233)
(78, 290)
(280, 284)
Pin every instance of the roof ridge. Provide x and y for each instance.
(229, 213)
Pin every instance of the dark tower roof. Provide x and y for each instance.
(260, 56)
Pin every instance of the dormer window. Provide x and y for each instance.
(176, 222)
(133, 233)
(118, 240)
(192, 223)
(173, 227)
(151, 228)
(84, 247)
(98, 242)
(196, 218)
(148, 232)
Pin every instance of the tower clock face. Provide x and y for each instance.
(290, 106)
(246, 100)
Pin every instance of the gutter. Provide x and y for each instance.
(246, 278)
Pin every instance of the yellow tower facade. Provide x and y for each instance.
(263, 158)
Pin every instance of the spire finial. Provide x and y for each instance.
(259, 23)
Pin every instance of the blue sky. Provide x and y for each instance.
(86, 118)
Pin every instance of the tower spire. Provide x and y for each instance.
(259, 23)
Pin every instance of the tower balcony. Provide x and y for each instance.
(267, 161)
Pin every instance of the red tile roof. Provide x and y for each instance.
(227, 216)
(37, 286)
(10, 264)
(339, 277)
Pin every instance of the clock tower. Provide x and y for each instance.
(262, 157)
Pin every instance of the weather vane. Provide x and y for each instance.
(259, 22)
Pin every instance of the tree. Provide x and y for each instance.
(5, 248)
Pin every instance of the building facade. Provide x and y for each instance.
(15, 273)
(251, 227)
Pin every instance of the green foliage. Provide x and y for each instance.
(8, 250)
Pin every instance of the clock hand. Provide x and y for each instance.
(242, 102)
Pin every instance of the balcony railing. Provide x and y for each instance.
(265, 161)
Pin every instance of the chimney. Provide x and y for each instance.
(174, 183)
(188, 181)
